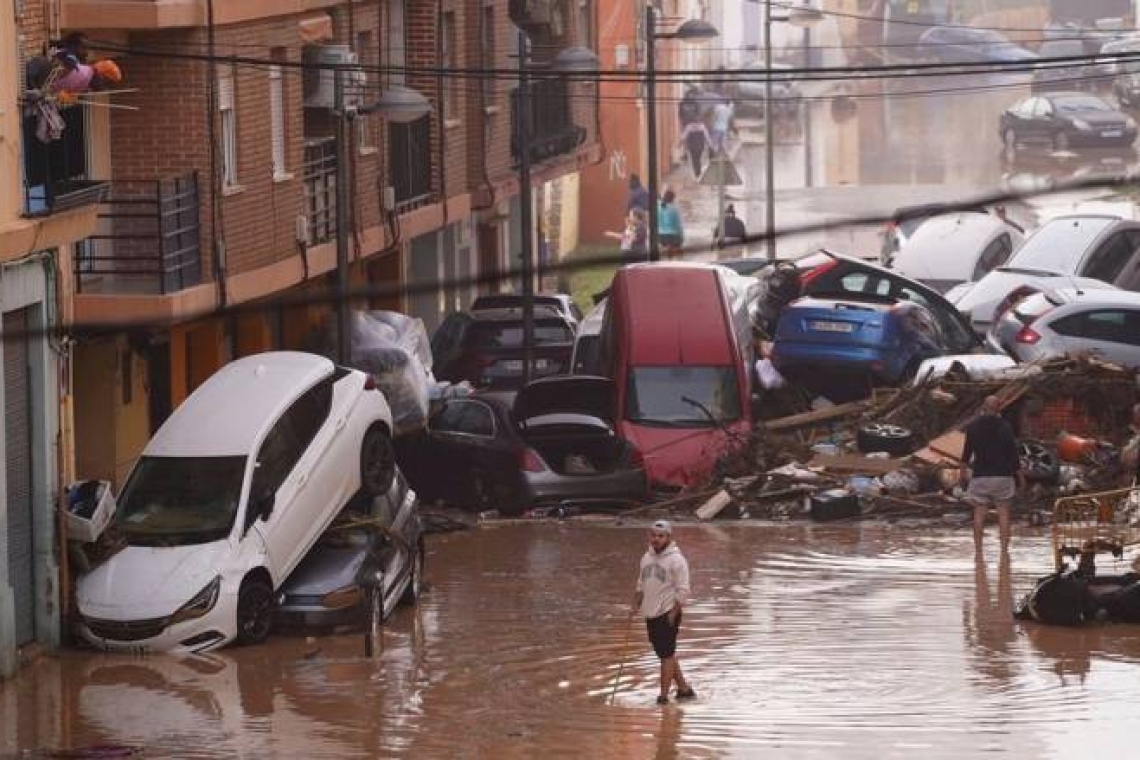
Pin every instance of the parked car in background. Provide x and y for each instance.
(586, 358)
(677, 342)
(486, 347)
(552, 443)
(1065, 120)
(1061, 74)
(948, 250)
(906, 220)
(1078, 251)
(227, 499)
(963, 44)
(843, 347)
(561, 302)
(329, 587)
(1104, 323)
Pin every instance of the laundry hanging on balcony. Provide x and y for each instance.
(59, 80)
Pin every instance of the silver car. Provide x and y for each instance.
(1103, 323)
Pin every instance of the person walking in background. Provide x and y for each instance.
(638, 196)
(731, 228)
(670, 231)
(696, 140)
(689, 109)
(662, 591)
(721, 124)
(634, 239)
(990, 461)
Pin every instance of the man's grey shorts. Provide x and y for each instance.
(991, 491)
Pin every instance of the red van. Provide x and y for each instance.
(677, 342)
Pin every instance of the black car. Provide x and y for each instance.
(374, 543)
(960, 44)
(551, 444)
(831, 274)
(486, 347)
(1065, 120)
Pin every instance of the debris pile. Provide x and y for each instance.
(898, 453)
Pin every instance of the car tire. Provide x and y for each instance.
(377, 462)
(895, 440)
(1038, 463)
(1060, 142)
(254, 611)
(415, 588)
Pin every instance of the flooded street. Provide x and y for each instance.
(840, 642)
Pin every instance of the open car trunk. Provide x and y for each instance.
(576, 445)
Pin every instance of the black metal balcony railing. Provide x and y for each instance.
(409, 147)
(320, 189)
(55, 172)
(148, 241)
(550, 131)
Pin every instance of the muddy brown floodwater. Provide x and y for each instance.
(802, 642)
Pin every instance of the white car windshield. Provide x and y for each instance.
(1059, 245)
(683, 396)
(173, 501)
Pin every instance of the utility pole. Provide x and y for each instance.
(769, 132)
(651, 125)
(522, 139)
(342, 117)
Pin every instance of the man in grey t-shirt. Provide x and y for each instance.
(662, 590)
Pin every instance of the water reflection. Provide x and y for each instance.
(802, 641)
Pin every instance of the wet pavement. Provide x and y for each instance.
(909, 141)
(861, 641)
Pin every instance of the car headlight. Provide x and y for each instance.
(1082, 125)
(201, 604)
(1129, 122)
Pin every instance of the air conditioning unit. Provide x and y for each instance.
(319, 89)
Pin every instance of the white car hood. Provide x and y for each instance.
(143, 582)
(980, 301)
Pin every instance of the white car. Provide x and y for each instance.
(228, 497)
(1084, 251)
(1103, 323)
(951, 249)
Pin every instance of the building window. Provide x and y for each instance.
(397, 42)
(487, 59)
(277, 116)
(447, 62)
(229, 127)
(585, 23)
(364, 92)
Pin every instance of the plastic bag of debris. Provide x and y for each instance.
(901, 482)
(395, 350)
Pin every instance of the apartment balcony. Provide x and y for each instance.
(171, 14)
(144, 262)
(550, 130)
(55, 172)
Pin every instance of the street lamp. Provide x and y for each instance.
(572, 60)
(693, 30)
(803, 16)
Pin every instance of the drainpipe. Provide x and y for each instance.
(217, 232)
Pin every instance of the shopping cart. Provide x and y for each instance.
(1089, 524)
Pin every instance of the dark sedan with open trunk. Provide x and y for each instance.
(553, 443)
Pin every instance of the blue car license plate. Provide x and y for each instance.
(832, 327)
(1112, 133)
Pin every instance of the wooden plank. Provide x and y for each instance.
(857, 464)
(951, 444)
(822, 415)
(714, 506)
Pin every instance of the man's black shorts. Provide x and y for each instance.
(663, 635)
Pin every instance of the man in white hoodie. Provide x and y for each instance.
(662, 590)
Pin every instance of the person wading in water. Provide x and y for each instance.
(662, 590)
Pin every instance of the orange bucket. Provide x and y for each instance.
(1073, 448)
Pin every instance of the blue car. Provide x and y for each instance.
(842, 347)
